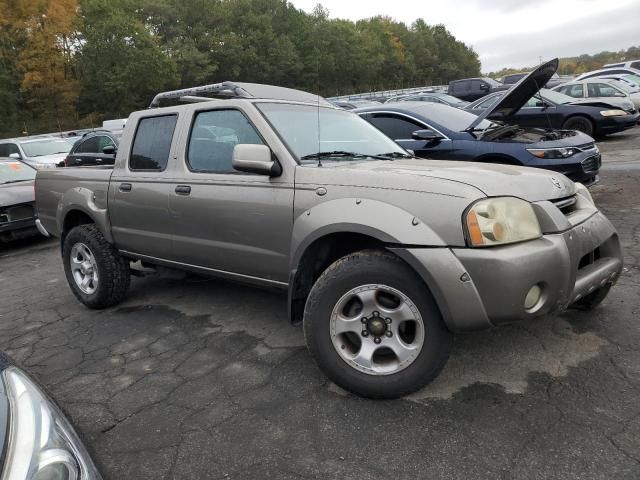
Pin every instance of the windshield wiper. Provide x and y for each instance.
(392, 155)
(340, 153)
(16, 181)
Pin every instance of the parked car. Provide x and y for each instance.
(39, 152)
(627, 64)
(38, 440)
(95, 148)
(554, 110)
(608, 71)
(631, 81)
(17, 200)
(516, 77)
(611, 91)
(470, 89)
(441, 98)
(442, 132)
(383, 255)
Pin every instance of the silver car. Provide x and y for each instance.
(39, 152)
(609, 90)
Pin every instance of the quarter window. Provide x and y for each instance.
(213, 138)
(152, 143)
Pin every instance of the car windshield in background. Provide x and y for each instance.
(41, 148)
(555, 97)
(308, 130)
(14, 172)
(625, 87)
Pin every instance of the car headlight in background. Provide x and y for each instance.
(564, 152)
(613, 113)
(501, 220)
(42, 444)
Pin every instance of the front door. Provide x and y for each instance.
(226, 220)
(400, 128)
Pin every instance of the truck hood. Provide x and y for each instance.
(460, 179)
(16, 193)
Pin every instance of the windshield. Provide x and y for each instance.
(11, 172)
(40, 148)
(555, 97)
(635, 79)
(308, 130)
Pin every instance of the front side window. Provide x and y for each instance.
(7, 149)
(213, 138)
(603, 90)
(394, 126)
(152, 143)
(105, 142)
(309, 130)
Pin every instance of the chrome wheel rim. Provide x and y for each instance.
(84, 268)
(377, 329)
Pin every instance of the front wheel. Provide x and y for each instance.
(372, 326)
(97, 274)
(582, 124)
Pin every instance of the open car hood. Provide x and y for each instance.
(516, 97)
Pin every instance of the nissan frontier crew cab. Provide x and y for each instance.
(384, 256)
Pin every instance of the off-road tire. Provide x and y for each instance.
(371, 267)
(113, 269)
(580, 123)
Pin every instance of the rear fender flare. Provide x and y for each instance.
(84, 200)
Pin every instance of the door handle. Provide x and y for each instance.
(183, 189)
(125, 187)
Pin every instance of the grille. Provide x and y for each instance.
(18, 212)
(566, 205)
(591, 164)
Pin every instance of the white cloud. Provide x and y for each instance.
(511, 32)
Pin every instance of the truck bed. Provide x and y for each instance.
(90, 183)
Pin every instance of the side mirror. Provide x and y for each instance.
(255, 159)
(17, 156)
(426, 134)
(109, 150)
(484, 86)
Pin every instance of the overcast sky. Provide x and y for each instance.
(511, 33)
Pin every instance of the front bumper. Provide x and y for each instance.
(617, 124)
(480, 288)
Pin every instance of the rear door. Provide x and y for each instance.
(139, 189)
(223, 219)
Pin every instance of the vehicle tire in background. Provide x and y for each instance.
(582, 124)
(97, 274)
(373, 327)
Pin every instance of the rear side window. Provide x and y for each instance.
(213, 138)
(7, 149)
(575, 91)
(90, 145)
(152, 143)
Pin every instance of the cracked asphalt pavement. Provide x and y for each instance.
(198, 378)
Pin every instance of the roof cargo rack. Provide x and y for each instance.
(237, 90)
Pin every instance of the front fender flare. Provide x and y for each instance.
(382, 221)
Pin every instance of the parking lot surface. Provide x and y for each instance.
(199, 378)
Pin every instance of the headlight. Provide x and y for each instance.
(584, 192)
(552, 152)
(41, 442)
(501, 220)
(42, 166)
(613, 113)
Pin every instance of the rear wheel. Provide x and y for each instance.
(582, 124)
(97, 274)
(373, 328)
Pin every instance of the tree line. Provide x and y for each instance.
(580, 64)
(66, 64)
